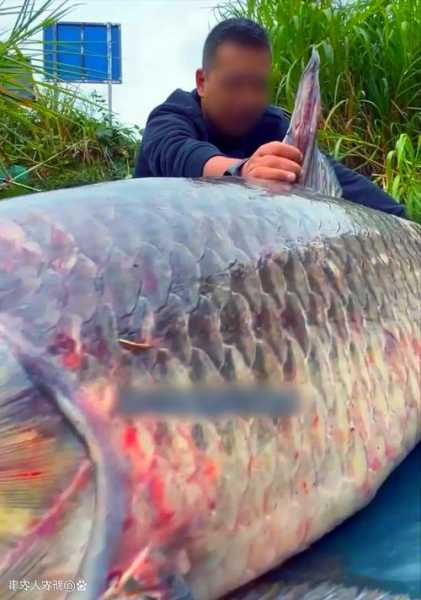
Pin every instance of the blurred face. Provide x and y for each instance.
(235, 89)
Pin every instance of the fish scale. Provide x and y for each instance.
(269, 486)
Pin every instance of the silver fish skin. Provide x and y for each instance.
(215, 284)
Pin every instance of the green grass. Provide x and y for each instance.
(370, 80)
(403, 174)
(56, 138)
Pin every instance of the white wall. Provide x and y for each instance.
(161, 48)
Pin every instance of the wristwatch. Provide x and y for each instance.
(235, 169)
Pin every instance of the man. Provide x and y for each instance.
(226, 127)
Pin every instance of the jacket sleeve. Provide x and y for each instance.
(361, 190)
(171, 148)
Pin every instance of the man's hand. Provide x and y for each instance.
(274, 160)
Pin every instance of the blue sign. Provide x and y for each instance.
(83, 52)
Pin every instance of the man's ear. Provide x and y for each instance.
(200, 82)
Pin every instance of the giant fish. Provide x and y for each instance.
(198, 379)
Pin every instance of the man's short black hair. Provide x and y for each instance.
(242, 31)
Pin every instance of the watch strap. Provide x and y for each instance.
(235, 169)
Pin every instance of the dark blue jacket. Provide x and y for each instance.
(177, 142)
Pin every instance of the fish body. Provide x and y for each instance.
(211, 284)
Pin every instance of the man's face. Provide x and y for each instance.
(234, 90)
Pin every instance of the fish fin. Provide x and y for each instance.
(204, 401)
(45, 476)
(104, 515)
(305, 117)
(317, 172)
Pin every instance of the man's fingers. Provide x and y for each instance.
(271, 173)
(282, 150)
(276, 162)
